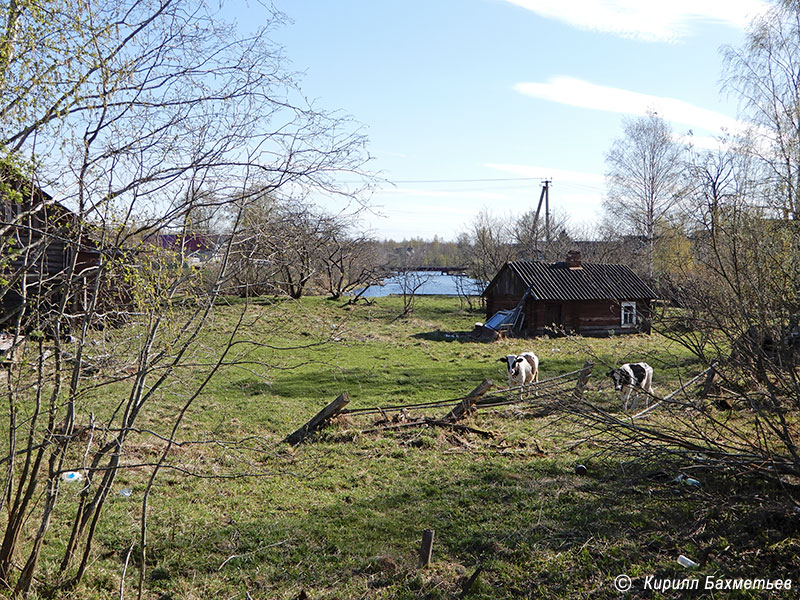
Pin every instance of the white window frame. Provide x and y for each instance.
(629, 309)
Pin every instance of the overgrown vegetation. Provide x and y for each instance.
(144, 407)
(234, 511)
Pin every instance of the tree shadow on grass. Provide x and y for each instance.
(537, 529)
(439, 335)
(444, 379)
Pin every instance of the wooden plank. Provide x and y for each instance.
(426, 550)
(583, 380)
(462, 428)
(428, 422)
(712, 371)
(326, 413)
(416, 423)
(466, 404)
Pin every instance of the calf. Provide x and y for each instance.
(632, 376)
(522, 369)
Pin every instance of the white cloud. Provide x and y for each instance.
(646, 20)
(576, 92)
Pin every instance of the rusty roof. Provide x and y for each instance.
(592, 281)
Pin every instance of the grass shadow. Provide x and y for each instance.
(536, 528)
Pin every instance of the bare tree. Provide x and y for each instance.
(254, 249)
(645, 179)
(411, 282)
(145, 111)
(285, 246)
(491, 246)
(528, 236)
(762, 74)
(349, 261)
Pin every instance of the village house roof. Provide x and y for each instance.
(189, 243)
(587, 281)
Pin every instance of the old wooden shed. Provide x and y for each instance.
(38, 243)
(571, 297)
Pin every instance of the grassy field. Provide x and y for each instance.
(342, 515)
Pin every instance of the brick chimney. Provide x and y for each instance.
(574, 259)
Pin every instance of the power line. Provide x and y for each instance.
(466, 180)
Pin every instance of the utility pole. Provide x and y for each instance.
(544, 197)
(546, 183)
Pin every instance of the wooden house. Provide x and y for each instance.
(571, 296)
(195, 248)
(39, 242)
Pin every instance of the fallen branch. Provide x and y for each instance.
(671, 395)
(429, 422)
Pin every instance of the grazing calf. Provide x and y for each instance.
(630, 376)
(522, 369)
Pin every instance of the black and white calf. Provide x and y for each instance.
(522, 369)
(630, 376)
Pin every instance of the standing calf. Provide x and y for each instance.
(632, 376)
(522, 369)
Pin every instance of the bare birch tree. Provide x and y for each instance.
(762, 75)
(645, 179)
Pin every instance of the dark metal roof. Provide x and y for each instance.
(557, 281)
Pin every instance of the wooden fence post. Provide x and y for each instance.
(426, 550)
(583, 380)
(326, 413)
(712, 371)
(465, 405)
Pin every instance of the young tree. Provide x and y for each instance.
(645, 179)
(145, 110)
(411, 281)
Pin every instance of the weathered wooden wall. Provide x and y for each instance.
(587, 317)
(584, 317)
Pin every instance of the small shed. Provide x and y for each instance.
(571, 296)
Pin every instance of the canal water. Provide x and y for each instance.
(432, 284)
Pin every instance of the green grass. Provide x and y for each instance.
(342, 515)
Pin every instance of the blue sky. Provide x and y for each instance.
(463, 99)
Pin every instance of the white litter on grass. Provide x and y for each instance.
(687, 481)
(71, 476)
(687, 562)
(126, 492)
